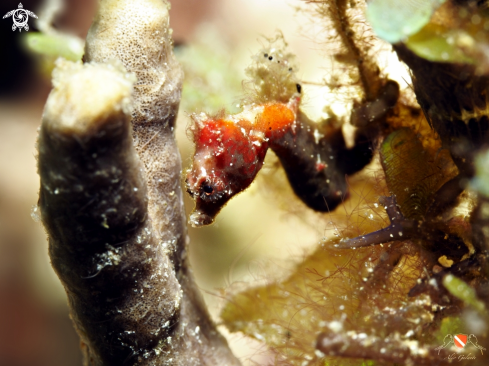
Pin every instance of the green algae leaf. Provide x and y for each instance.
(395, 20)
(440, 44)
(55, 45)
(481, 181)
(449, 325)
(463, 291)
(48, 47)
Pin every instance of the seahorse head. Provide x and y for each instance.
(228, 155)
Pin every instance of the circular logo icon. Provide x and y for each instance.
(20, 17)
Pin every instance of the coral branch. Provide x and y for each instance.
(392, 349)
(354, 43)
(368, 75)
(94, 208)
(111, 201)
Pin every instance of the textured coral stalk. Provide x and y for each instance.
(111, 201)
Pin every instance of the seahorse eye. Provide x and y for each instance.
(207, 189)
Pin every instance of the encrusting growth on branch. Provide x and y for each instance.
(391, 349)
(110, 196)
(368, 72)
(352, 38)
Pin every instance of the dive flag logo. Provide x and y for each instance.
(460, 340)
